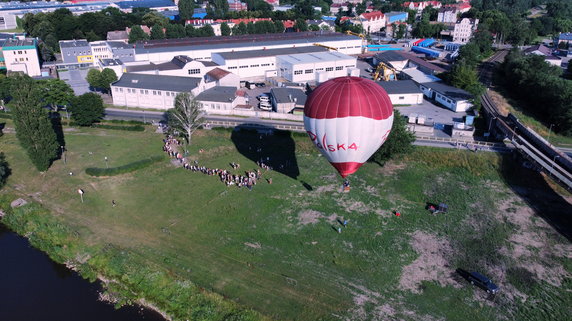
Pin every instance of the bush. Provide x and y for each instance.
(131, 167)
(5, 115)
(130, 122)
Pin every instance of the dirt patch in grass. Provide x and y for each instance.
(309, 217)
(391, 167)
(431, 265)
(530, 246)
(253, 245)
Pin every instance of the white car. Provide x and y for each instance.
(265, 105)
(264, 98)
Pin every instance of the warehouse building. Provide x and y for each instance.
(220, 98)
(287, 100)
(178, 66)
(257, 64)
(453, 98)
(152, 91)
(403, 92)
(314, 67)
(203, 48)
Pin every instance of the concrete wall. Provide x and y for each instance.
(145, 98)
(22, 60)
(306, 71)
(406, 99)
(249, 67)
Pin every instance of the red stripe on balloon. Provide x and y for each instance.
(346, 168)
(348, 96)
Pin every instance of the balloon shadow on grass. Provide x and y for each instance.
(273, 147)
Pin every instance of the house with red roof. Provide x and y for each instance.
(373, 21)
(420, 6)
(461, 7)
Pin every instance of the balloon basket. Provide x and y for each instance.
(346, 189)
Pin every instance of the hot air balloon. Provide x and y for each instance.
(348, 119)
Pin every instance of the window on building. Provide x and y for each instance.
(19, 52)
(159, 93)
(194, 71)
(120, 90)
(350, 66)
(401, 97)
(146, 92)
(308, 71)
(233, 67)
(242, 67)
(154, 93)
(141, 91)
(254, 66)
(339, 67)
(329, 68)
(319, 69)
(297, 72)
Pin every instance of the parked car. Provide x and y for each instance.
(260, 84)
(263, 97)
(483, 282)
(265, 105)
(369, 69)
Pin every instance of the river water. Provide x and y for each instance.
(34, 288)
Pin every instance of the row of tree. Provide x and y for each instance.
(34, 105)
(540, 89)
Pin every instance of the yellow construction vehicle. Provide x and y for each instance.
(320, 45)
(384, 72)
(362, 36)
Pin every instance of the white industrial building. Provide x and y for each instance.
(177, 66)
(315, 67)
(203, 48)
(21, 55)
(152, 91)
(403, 92)
(257, 64)
(453, 98)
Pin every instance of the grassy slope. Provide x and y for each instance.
(198, 228)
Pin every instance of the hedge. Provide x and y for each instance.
(5, 115)
(131, 167)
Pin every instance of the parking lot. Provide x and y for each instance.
(76, 80)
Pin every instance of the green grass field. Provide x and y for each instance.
(275, 249)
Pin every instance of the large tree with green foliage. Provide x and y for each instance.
(101, 79)
(187, 116)
(157, 32)
(186, 9)
(399, 141)
(224, 29)
(301, 25)
(87, 109)
(33, 127)
(137, 34)
(55, 92)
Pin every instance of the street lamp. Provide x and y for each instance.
(106, 165)
(549, 131)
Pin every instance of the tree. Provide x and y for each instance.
(465, 77)
(400, 141)
(186, 9)
(187, 116)
(314, 28)
(33, 128)
(401, 30)
(157, 32)
(301, 25)
(87, 109)
(190, 31)
(55, 92)
(137, 34)
(154, 18)
(224, 29)
(107, 77)
(360, 8)
(94, 78)
(207, 31)
(173, 31)
(4, 170)
(278, 26)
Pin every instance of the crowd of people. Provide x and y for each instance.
(248, 180)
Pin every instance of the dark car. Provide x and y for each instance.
(260, 84)
(483, 282)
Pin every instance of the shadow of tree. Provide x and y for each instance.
(273, 147)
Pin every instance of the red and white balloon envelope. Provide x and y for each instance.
(348, 119)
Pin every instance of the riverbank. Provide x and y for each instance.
(122, 276)
(35, 288)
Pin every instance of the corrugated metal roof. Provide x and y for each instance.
(400, 87)
(269, 52)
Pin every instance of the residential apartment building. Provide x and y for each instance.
(152, 91)
(236, 5)
(447, 15)
(464, 29)
(20, 55)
